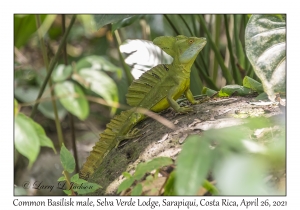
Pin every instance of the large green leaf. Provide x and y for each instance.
(72, 98)
(102, 20)
(26, 138)
(89, 73)
(30, 93)
(156, 163)
(61, 73)
(193, 164)
(248, 82)
(126, 184)
(137, 190)
(241, 175)
(24, 27)
(265, 40)
(228, 90)
(98, 63)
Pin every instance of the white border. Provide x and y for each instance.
(154, 7)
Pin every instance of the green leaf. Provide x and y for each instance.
(241, 175)
(99, 83)
(75, 178)
(265, 41)
(193, 164)
(228, 90)
(19, 191)
(126, 175)
(170, 185)
(248, 82)
(24, 27)
(30, 93)
(72, 98)
(137, 190)
(61, 73)
(236, 133)
(80, 181)
(87, 187)
(102, 20)
(208, 91)
(156, 163)
(26, 138)
(125, 184)
(68, 192)
(62, 178)
(89, 73)
(125, 22)
(98, 63)
(67, 159)
(44, 140)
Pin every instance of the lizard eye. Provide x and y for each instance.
(191, 41)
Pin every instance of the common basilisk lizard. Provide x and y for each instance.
(156, 90)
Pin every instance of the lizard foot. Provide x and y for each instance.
(202, 100)
(184, 110)
(134, 133)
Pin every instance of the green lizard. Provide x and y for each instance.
(156, 90)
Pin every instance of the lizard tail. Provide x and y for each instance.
(118, 126)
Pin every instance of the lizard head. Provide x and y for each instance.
(187, 48)
(182, 47)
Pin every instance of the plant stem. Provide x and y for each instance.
(45, 57)
(51, 66)
(187, 26)
(225, 71)
(68, 180)
(217, 41)
(171, 24)
(238, 45)
(236, 74)
(125, 66)
(71, 122)
(194, 25)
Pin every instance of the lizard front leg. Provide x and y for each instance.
(188, 94)
(175, 91)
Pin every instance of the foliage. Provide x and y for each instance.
(74, 184)
(250, 86)
(265, 39)
(239, 164)
(140, 172)
(231, 161)
(29, 137)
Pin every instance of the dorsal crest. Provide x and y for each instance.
(141, 87)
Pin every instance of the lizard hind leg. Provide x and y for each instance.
(131, 131)
(132, 134)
